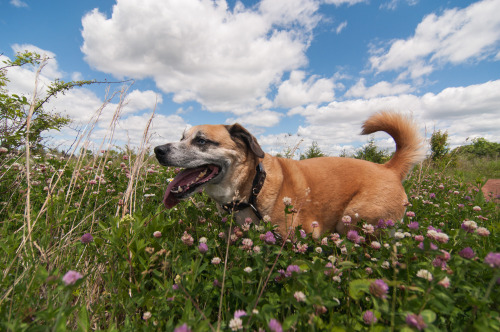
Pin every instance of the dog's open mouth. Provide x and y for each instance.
(186, 183)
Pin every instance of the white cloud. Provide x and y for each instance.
(227, 60)
(455, 36)
(382, 88)
(51, 69)
(81, 104)
(18, 3)
(297, 91)
(341, 27)
(464, 112)
(343, 2)
(264, 118)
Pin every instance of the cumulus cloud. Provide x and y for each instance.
(262, 118)
(343, 2)
(382, 88)
(455, 36)
(465, 112)
(298, 90)
(225, 59)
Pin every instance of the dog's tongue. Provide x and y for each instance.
(185, 179)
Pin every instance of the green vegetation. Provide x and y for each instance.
(87, 245)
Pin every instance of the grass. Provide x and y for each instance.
(136, 279)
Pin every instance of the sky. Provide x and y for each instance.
(291, 71)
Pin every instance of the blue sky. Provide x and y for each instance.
(291, 71)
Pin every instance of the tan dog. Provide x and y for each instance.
(230, 165)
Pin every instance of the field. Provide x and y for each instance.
(90, 247)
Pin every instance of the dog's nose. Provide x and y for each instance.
(161, 150)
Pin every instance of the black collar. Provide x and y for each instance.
(258, 183)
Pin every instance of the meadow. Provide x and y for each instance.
(89, 246)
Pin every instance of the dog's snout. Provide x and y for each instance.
(162, 150)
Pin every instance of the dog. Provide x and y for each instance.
(227, 162)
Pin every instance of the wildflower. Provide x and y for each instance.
(266, 218)
(216, 260)
(239, 313)
(385, 265)
(149, 250)
(445, 282)
(410, 214)
(353, 236)
(275, 326)
(389, 223)
(469, 226)
(301, 247)
(157, 234)
(287, 201)
(256, 249)
(379, 289)
(419, 238)
(460, 206)
(71, 277)
(493, 259)
(413, 225)
(248, 269)
(125, 157)
(235, 324)
(336, 278)
(343, 250)
(146, 315)
(187, 239)
(441, 186)
(424, 274)
(375, 245)
(203, 240)
(87, 238)
(369, 317)
(399, 235)
(481, 231)
(268, 237)
(381, 224)
(299, 296)
(247, 244)
(324, 241)
(368, 229)
(476, 208)
(291, 269)
(3, 150)
(415, 321)
(432, 195)
(467, 253)
(368, 270)
(302, 233)
(346, 220)
(442, 238)
(182, 328)
(203, 248)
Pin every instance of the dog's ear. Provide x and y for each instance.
(237, 131)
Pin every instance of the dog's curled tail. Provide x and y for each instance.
(409, 144)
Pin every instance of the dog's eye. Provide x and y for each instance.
(201, 141)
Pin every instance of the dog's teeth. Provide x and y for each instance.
(179, 189)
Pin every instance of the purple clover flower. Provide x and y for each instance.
(415, 321)
(268, 238)
(290, 269)
(203, 248)
(493, 259)
(467, 253)
(413, 225)
(183, 328)
(379, 289)
(87, 238)
(71, 277)
(275, 326)
(369, 317)
(353, 236)
(239, 313)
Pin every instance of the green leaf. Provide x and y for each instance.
(83, 319)
(357, 288)
(429, 316)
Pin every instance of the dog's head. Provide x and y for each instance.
(210, 155)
